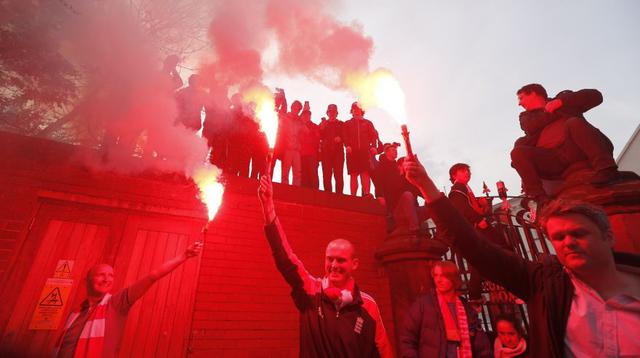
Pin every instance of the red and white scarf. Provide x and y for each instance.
(340, 296)
(91, 341)
(456, 330)
(499, 351)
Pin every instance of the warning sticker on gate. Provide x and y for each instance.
(51, 303)
(63, 269)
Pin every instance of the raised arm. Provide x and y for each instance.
(139, 288)
(511, 272)
(576, 103)
(287, 262)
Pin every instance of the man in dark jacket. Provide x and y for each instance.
(336, 318)
(396, 193)
(442, 325)
(309, 148)
(190, 101)
(240, 133)
(332, 149)
(360, 140)
(472, 209)
(557, 135)
(584, 302)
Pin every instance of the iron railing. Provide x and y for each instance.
(526, 240)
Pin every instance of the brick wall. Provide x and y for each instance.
(243, 307)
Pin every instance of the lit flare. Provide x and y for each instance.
(265, 111)
(379, 89)
(211, 190)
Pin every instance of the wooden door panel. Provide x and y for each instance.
(81, 242)
(159, 324)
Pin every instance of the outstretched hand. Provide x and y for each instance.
(265, 193)
(194, 249)
(265, 189)
(415, 172)
(417, 175)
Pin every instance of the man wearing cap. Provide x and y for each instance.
(332, 149)
(361, 139)
(396, 193)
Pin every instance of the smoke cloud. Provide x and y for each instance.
(125, 102)
(125, 92)
(307, 40)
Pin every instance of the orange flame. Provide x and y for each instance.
(379, 89)
(211, 190)
(265, 111)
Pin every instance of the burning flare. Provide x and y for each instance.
(211, 190)
(379, 89)
(265, 111)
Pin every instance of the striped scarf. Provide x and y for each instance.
(456, 331)
(91, 341)
(501, 351)
(340, 297)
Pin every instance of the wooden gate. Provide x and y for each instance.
(134, 243)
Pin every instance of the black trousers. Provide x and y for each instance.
(582, 142)
(309, 166)
(333, 167)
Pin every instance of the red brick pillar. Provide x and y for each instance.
(407, 261)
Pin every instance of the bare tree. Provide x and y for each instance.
(43, 91)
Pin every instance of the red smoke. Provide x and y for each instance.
(125, 93)
(309, 41)
(314, 44)
(236, 33)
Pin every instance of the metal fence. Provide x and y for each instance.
(526, 240)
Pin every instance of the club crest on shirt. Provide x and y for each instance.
(358, 327)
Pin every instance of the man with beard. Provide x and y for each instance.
(336, 318)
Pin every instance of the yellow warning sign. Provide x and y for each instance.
(63, 269)
(53, 299)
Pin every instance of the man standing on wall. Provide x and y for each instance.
(360, 140)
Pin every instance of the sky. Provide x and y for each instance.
(460, 64)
